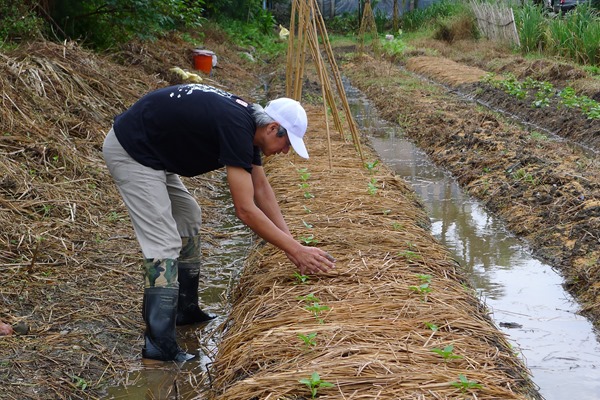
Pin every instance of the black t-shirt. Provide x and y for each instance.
(189, 130)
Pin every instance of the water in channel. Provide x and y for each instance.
(525, 296)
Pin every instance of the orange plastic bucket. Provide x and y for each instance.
(203, 60)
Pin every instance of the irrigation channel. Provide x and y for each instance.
(524, 295)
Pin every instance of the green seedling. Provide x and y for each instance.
(386, 212)
(307, 225)
(315, 307)
(371, 166)
(372, 186)
(432, 326)
(79, 382)
(421, 289)
(446, 353)
(425, 278)
(304, 174)
(114, 216)
(316, 310)
(409, 255)
(308, 195)
(45, 210)
(525, 176)
(308, 240)
(464, 384)
(308, 210)
(540, 137)
(300, 278)
(309, 298)
(314, 383)
(309, 340)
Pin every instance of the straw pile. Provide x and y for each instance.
(67, 258)
(378, 335)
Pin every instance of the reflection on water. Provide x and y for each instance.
(155, 380)
(525, 296)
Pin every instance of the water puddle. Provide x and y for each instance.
(168, 381)
(524, 295)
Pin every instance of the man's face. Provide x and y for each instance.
(277, 140)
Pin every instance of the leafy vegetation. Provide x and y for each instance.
(106, 23)
(544, 92)
(103, 23)
(314, 383)
(19, 21)
(423, 17)
(575, 34)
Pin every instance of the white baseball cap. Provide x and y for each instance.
(290, 114)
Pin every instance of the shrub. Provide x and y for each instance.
(19, 21)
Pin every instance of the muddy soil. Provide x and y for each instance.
(537, 168)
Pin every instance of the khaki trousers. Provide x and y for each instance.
(161, 209)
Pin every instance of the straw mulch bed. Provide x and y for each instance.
(375, 339)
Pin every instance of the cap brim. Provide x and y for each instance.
(298, 145)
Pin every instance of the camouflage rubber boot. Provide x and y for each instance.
(188, 311)
(159, 309)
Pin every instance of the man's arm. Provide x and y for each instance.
(307, 259)
(264, 198)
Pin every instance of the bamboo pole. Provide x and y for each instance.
(303, 19)
(289, 68)
(310, 25)
(340, 86)
(321, 69)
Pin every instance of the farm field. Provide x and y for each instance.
(536, 167)
(69, 260)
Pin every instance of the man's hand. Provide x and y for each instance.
(312, 260)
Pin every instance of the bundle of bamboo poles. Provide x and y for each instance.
(395, 320)
(306, 27)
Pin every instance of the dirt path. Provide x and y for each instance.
(545, 188)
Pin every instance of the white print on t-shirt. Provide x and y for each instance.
(190, 88)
